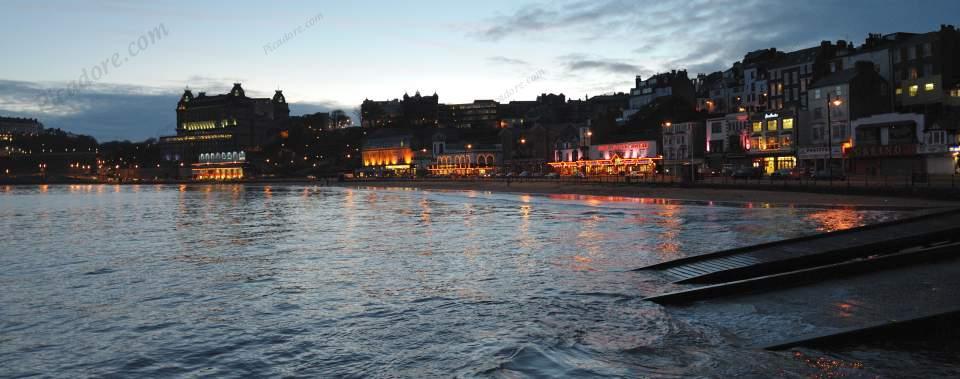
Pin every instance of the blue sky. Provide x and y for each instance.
(463, 50)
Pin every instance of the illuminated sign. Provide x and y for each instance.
(637, 149)
(771, 115)
(955, 149)
(623, 146)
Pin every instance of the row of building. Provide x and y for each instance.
(890, 106)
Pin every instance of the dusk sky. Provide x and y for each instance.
(347, 51)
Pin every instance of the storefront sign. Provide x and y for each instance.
(883, 151)
(819, 152)
(771, 115)
(955, 149)
(637, 149)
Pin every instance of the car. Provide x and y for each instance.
(552, 175)
(786, 173)
(746, 173)
(509, 175)
(524, 174)
(829, 175)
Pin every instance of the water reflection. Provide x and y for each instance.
(831, 220)
(246, 280)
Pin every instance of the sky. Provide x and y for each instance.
(91, 67)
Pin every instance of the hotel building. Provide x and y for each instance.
(217, 135)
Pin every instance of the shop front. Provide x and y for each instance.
(224, 166)
(771, 142)
(632, 158)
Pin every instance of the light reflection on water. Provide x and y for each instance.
(310, 281)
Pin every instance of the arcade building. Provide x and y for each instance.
(630, 158)
(218, 135)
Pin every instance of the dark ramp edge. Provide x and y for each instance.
(794, 254)
(854, 334)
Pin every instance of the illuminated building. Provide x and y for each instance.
(771, 143)
(219, 166)
(633, 158)
(230, 124)
(388, 156)
(467, 160)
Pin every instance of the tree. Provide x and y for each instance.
(339, 119)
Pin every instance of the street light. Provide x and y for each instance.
(835, 102)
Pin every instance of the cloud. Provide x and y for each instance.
(698, 35)
(580, 63)
(507, 61)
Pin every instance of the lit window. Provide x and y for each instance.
(757, 127)
(787, 124)
(929, 87)
(899, 91)
(772, 125)
(914, 89)
(816, 93)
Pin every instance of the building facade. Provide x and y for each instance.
(684, 146)
(847, 95)
(478, 114)
(226, 124)
(674, 83)
(15, 125)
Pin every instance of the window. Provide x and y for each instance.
(838, 91)
(787, 124)
(929, 87)
(911, 53)
(899, 91)
(757, 127)
(773, 143)
(927, 49)
(896, 56)
(928, 69)
(955, 92)
(816, 93)
(716, 127)
(772, 125)
(937, 137)
(786, 141)
(913, 73)
(914, 89)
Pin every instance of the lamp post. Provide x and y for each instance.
(835, 102)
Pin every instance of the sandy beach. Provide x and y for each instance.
(674, 193)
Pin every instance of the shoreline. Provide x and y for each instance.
(690, 194)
